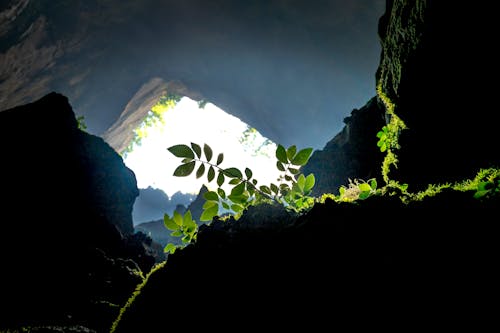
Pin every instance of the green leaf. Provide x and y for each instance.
(288, 178)
(248, 173)
(186, 160)
(237, 208)
(226, 206)
(302, 157)
(220, 158)
(364, 187)
(233, 173)
(309, 183)
(341, 190)
(301, 182)
(364, 195)
(188, 220)
(383, 147)
(211, 196)
(196, 149)
(238, 198)
(281, 154)
(294, 171)
(280, 166)
(234, 181)
(220, 179)
(178, 218)
(290, 152)
(404, 187)
(254, 181)
(275, 188)
(200, 171)
(373, 184)
(221, 192)
(208, 214)
(184, 170)
(480, 194)
(211, 174)
(170, 248)
(265, 189)
(238, 189)
(169, 223)
(181, 151)
(208, 152)
(177, 233)
(209, 204)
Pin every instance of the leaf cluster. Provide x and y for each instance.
(180, 226)
(292, 188)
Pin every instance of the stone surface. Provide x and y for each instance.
(67, 244)
(352, 153)
(437, 65)
(305, 66)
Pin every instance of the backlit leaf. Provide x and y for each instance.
(211, 195)
(169, 248)
(237, 208)
(275, 188)
(209, 204)
(301, 182)
(184, 170)
(181, 151)
(221, 192)
(169, 223)
(302, 156)
(364, 187)
(280, 166)
(309, 184)
(238, 189)
(178, 218)
(234, 181)
(208, 214)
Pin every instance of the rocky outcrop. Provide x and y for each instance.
(67, 247)
(379, 260)
(437, 65)
(352, 153)
(103, 55)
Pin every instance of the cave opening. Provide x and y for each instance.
(181, 120)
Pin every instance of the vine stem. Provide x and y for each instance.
(239, 178)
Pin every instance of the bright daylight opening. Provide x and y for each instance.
(182, 121)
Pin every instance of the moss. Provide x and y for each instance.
(134, 295)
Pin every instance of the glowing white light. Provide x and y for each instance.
(154, 165)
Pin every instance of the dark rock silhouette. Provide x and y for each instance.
(377, 262)
(436, 65)
(67, 243)
(352, 153)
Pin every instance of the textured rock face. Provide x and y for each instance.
(437, 64)
(352, 153)
(253, 59)
(65, 214)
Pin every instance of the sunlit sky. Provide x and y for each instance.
(154, 165)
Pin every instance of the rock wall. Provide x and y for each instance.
(67, 244)
(438, 66)
(352, 153)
